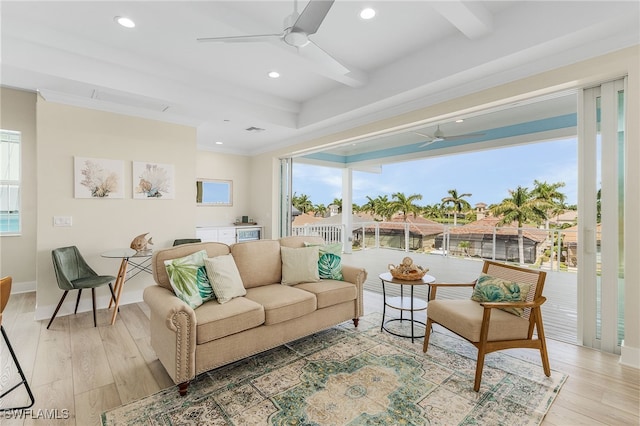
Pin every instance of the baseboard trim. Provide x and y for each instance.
(46, 312)
(629, 356)
(23, 287)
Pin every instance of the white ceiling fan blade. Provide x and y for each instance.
(312, 16)
(313, 52)
(428, 143)
(465, 136)
(240, 39)
(431, 139)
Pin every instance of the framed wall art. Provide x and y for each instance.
(153, 180)
(98, 178)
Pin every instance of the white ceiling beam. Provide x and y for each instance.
(472, 19)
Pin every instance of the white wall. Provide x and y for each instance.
(18, 252)
(104, 224)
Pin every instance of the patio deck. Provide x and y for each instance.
(558, 313)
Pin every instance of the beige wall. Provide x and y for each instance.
(227, 167)
(18, 253)
(104, 224)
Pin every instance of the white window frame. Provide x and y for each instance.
(8, 176)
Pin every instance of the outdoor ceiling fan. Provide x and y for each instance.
(297, 29)
(439, 136)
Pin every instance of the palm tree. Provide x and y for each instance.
(302, 203)
(369, 206)
(458, 201)
(432, 211)
(549, 194)
(320, 209)
(521, 207)
(404, 204)
(378, 207)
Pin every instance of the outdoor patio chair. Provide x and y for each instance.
(486, 324)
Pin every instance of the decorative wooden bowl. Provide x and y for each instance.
(407, 271)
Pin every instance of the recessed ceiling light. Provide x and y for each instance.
(367, 13)
(460, 120)
(124, 21)
(273, 74)
(219, 143)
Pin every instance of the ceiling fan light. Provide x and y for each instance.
(124, 21)
(296, 39)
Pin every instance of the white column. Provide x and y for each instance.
(347, 210)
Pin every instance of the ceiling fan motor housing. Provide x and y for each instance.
(294, 38)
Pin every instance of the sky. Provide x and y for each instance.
(487, 175)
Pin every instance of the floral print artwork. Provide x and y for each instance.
(98, 178)
(151, 180)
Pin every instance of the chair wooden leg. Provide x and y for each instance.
(544, 355)
(75, 311)
(427, 334)
(479, 368)
(482, 344)
(57, 308)
(93, 298)
(22, 376)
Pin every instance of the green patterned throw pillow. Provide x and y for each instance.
(188, 278)
(329, 261)
(493, 289)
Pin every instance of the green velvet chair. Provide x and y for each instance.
(181, 241)
(73, 273)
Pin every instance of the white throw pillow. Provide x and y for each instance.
(299, 265)
(224, 277)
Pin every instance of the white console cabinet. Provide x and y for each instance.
(229, 234)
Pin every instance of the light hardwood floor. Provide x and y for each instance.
(85, 370)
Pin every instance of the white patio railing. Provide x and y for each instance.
(553, 249)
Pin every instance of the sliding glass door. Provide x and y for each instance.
(601, 120)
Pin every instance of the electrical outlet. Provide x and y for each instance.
(62, 221)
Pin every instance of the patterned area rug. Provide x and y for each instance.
(349, 376)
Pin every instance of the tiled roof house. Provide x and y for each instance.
(480, 236)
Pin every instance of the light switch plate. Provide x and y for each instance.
(62, 221)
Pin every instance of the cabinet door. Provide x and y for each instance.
(227, 235)
(207, 234)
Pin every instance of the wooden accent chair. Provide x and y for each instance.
(73, 273)
(485, 324)
(5, 292)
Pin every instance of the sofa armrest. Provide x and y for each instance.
(173, 332)
(356, 276)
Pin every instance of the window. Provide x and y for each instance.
(10, 222)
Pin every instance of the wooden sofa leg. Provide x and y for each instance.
(356, 321)
(183, 387)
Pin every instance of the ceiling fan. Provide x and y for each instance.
(297, 29)
(439, 136)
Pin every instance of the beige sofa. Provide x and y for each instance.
(191, 341)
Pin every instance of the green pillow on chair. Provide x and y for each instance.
(493, 289)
